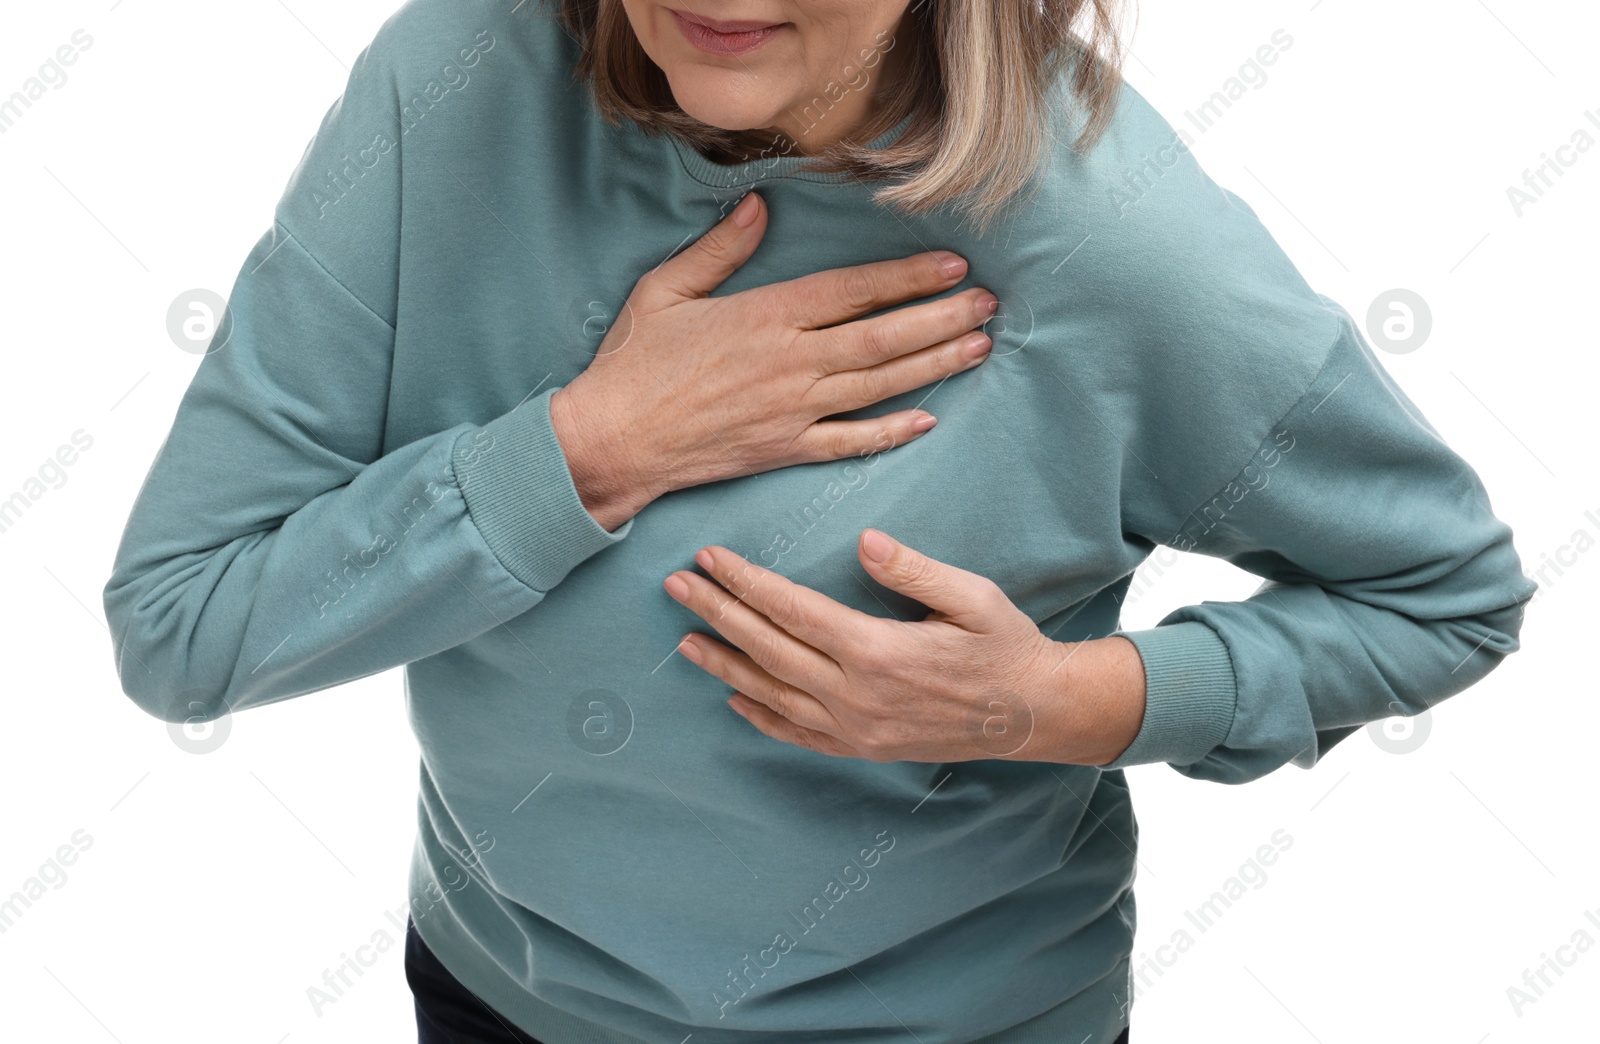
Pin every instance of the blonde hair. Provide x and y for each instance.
(977, 82)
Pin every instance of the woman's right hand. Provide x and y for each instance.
(687, 388)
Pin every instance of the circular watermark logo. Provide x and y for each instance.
(1000, 723)
(1398, 321)
(198, 321)
(1013, 322)
(1401, 735)
(599, 722)
(199, 732)
(589, 320)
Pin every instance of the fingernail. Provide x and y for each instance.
(953, 265)
(704, 558)
(923, 423)
(690, 652)
(676, 587)
(745, 212)
(877, 546)
(976, 346)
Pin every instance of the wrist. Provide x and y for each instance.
(596, 459)
(1088, 703)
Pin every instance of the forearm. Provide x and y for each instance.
(1088, 702)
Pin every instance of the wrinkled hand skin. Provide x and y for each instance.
(974, 679)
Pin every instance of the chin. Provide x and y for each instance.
(713, 103)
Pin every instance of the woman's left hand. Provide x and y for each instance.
(974, 679)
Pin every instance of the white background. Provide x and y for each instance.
(1379, 150)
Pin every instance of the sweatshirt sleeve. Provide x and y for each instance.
(1389, 585)
(279, 545)
(273, 552)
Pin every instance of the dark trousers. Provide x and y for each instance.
(449, 1013)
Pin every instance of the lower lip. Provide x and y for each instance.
(713, 42)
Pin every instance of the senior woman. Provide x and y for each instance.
(490, 401)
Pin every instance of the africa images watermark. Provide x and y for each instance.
(1251, 876)
(1564, 557)
(50, 475)
(1203, 519)
(1252, 75)
(51, 872)
(336, 981)
(1537, 980)
(599, 722)
(1537, 181)
(853, 877)
(336, 184)
(1252, 477)
(51, 75)
(855, 78)
(351, 570)
(797, 522)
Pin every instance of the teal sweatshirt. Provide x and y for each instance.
(363, 475)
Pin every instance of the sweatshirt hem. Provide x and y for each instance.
(1093, 1015)
(467, 962)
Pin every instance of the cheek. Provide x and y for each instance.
(657, 34)
(838, 34)
(644, 17)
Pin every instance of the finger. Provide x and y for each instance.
(778, 652)
(748, 677)
(854, 389)
(867, 342)
(780, 728)
(821, 299)
(964, 597)
(833, 440)
(709, 260)
(811, 616)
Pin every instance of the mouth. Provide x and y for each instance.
(724, 38)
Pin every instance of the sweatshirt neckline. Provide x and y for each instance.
(735, 175)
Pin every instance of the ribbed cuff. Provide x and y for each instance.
(1190, 694)
(519, 493)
